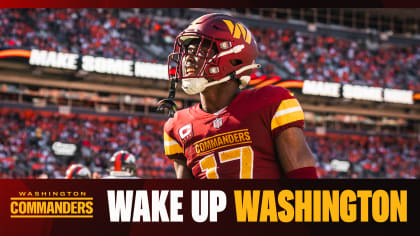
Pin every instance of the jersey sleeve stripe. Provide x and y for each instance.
(172, 147)
(169, 143)
(166, 137)
(288, 103)
(288, 111)
(286, 119)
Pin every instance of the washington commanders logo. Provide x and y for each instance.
(238, 30)
(61, 204)
(217, 123)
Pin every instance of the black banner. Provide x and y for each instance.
(188, 207)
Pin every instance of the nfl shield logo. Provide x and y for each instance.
(217, 123)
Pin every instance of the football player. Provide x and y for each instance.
(122, 165)
(234, 134)
(78, 171)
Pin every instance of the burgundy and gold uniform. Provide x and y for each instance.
(240, 141)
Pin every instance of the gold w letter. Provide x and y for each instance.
(237, 30)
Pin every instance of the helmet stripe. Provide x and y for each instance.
(124, 156)
(117, 165)
(76, 170)
(70, 173)
(229, 25)
(243, 31)
(73, 171)
(248, 36)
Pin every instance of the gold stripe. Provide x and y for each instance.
(290, 84)
(202, 140)
(211, 150)
(255, 81)
(229, 25)
(248, 36)
(51, 216)
(286, 119)
(243, 31)
(15, 53)
(237, 33)
(289, 103)
(51, 198)
(173, 149)
(166, 137)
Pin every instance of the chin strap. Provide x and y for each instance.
(232, 75)
(169, 103)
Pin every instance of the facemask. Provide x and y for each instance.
(193, 86)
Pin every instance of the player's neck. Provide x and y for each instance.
(219, 96)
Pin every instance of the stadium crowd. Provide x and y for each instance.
(26, 138)
(96, 32)
(367, 156)
(140, 36)
(330, 59)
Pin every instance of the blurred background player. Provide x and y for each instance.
(255, 133)
(122, 166)
(78, 171)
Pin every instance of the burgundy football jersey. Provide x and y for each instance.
(240, 141)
